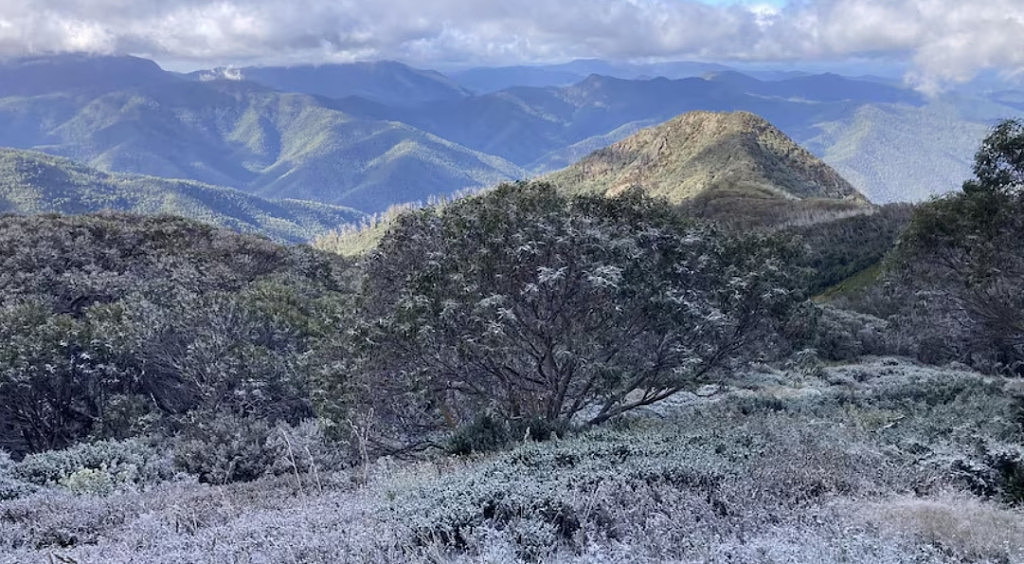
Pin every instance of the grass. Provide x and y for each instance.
(854, 465)
(852, 285)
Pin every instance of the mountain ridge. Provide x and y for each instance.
(705, 151)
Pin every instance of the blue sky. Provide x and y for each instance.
(937, 41)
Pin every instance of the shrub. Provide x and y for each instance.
(959, 264)
(303, 449)
(222, 448)
(488, 433)
(88, 481)
(995, 471)
(129, 463)
(12, 486)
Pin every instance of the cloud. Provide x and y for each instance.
(946, 40)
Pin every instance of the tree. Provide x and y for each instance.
(962, 260)
(527, 305)
(999, 163)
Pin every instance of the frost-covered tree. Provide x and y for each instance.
(527, 305)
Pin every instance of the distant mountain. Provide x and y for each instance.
(903, 153)
(533, 127)
(373, 135)
(387, 82)
(32, 183)
(727, 162)
(35, 76)
(484, 80)
(243, 135)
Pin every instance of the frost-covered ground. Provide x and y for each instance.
(882, 461)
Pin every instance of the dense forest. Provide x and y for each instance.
(158, 356)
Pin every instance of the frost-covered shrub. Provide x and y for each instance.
(488, 433)
(303, 449)
(89, 481)
(523, 302)
(808, 363)
(845, 335)
(223, 448)
(608, 485)
(995, 471)
(11, 486)
(132, 462)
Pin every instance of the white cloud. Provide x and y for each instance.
(947, 40)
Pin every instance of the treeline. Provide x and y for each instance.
(839, 249)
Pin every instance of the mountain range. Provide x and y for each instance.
(367, 136)
(232, 133)
(735, 168)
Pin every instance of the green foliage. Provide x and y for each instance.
(999, 164)
(840, 249)
(487, 433)
(528, 304)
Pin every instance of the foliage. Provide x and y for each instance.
(11, 485)
(133, 462)
(961, 263)
(527, 304)
(841, 248)
(223, 448)
(861, 465)
(116, 326)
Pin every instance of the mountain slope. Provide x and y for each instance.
(32, 183)
(904, 154)
(702, 151)
(33, 76)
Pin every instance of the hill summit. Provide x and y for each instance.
(708, 154)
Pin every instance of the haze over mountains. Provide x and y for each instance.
(371, 135)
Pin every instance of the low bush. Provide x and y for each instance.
(129, 463)
(488, 433)
(223, 447)
(12, 486)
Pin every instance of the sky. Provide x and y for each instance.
(939, 42)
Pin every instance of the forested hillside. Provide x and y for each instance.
(32, 183)
(237, 134)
